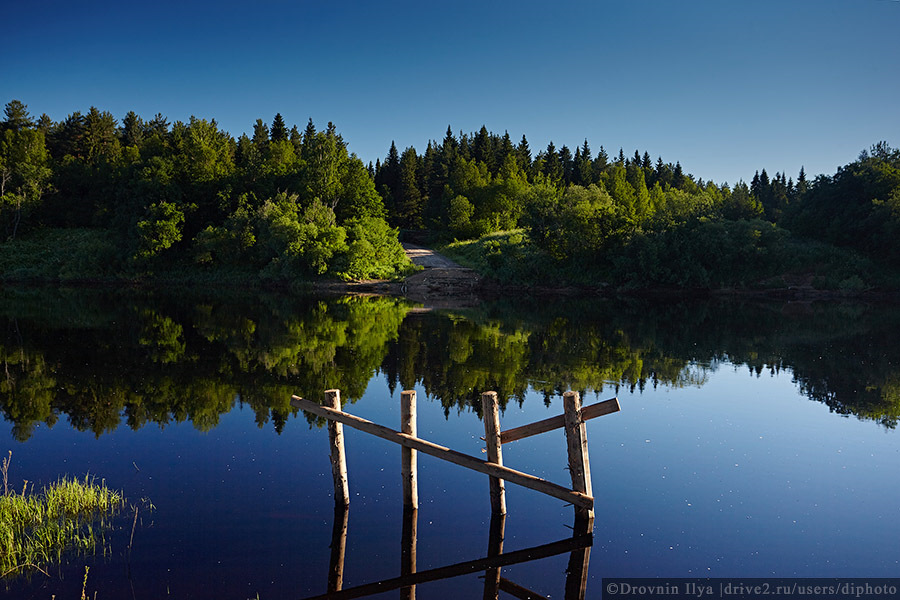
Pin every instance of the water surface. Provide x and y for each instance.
(755, 439)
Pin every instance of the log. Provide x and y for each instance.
(444, 453)
(588, 412)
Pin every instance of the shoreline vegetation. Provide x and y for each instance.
(93, 201)
(70, 516)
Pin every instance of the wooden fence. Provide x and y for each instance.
(580, 495)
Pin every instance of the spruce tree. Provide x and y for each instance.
(279, 131)
(566, 163)
(600, 164)
(407, 196)
(802, 184)
(523, 152)
(261, 137)
(553, 168)
(678, 178)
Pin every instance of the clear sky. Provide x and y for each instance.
(725, 87)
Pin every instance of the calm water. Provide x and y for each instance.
(754, 439)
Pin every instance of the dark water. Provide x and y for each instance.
(755, 439)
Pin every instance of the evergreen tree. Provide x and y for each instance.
(483, 149)
(678, 178)
(523, 153)
(296, 140)
(450, 145)
(44, 124)
(408, 197)
(101, 136)
(584, 172)
(802, 184)
(309, 142)
(17, 116)
(600, 164)
(567, 163)
(279, 131)
(553, 167)
(132, 132)
(503, 149)
(261, 137)
(158, 125)
(387, 180)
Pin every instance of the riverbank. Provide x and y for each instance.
(451, 275)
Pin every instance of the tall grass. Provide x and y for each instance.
(37, 529)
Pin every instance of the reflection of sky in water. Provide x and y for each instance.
(740, 477)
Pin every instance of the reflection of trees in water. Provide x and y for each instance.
(840, 354)
(98, 357)
(162, 362)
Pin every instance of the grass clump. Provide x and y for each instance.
(37, 529)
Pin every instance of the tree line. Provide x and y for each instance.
(284, 203)
(629, 218)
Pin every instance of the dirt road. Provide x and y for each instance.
(442, 282)
(428, 258)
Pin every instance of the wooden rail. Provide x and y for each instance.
(588, 412)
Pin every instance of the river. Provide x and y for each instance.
(754, 439)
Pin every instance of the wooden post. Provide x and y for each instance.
(495, 549)
(491, 411)
(409, 458)
(576, 443)
(338, 456)
(408, 550)
(577, 571)
(338, 548)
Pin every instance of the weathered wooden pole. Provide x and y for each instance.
(409, 458)
(408, 550)
(495, 549)
(338, 548)
(576, 444)
(338, 456)
(577, 571)
(491, 410)
(409, 469)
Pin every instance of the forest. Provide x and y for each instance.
(91, 198)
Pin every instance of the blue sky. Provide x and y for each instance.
(725, 87)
